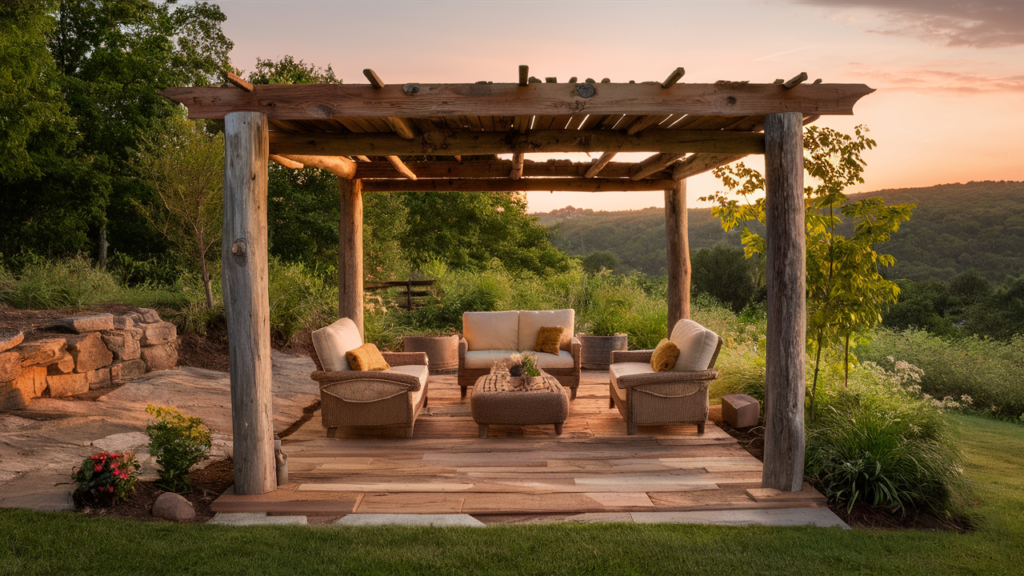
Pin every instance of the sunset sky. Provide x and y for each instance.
(949, 76)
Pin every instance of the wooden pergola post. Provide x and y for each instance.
(246, 300)
(677, 244)
(787, 305)
(350, 252)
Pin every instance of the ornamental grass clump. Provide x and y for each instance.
(178, 442)
(106, 477)
(880, 443)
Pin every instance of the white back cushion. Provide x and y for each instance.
(696, 345)
(531, 321)
(491, 330)
(331, 344)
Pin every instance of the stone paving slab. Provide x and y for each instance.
(256, 519)
(820, 517)
(409, 520)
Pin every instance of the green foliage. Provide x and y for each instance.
(600, 260)
(289, 71)
(178, 442)
(724, 274)
(300, 298)
(880, 444)
(989, 372)
(107, 477)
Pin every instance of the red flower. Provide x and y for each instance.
(97, 468)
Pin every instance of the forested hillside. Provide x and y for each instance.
(955, 227)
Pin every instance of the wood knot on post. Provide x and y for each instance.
(411, 88)
(238, 248)
(585, 90)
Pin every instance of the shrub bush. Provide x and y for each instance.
(106, 477)
(881, 443)
(178, 442)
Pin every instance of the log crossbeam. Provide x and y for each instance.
(652, 164)
(521, 185)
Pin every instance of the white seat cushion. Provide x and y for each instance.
(480, 359)
(419, 371)
(626, 369)
(531, 321)
(696, 345)
(491, 330)
(545, 360)
(331, 344)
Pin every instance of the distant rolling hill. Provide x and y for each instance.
(955, 227)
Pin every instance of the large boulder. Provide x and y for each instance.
(173, 507)
(163, 357)
(67, 384)
(158, 333)
(10, 366)
(89, 352)
(9, 338)
(91, 323)
(127, 370)
(41, 352)
(32, 381)
(123, 344)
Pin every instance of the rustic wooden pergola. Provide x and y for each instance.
(359, 132)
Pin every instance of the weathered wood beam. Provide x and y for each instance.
(497, 169)
(350, 253)
(599, 165)
(337, 165)
(400, 166)
(652, 164)
(247, 301)
(447, 143)
(674, 77)
(237, 81)
(677, 244)
(517, 166)
(785, 348)
(286, 162)
(700, 163)
(401, 126)
(325, 101)
(521, 185)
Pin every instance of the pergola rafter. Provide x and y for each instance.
(688, 128)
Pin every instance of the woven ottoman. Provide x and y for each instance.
(497, 400)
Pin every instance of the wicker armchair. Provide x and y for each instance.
(374, 399)
(645, 397)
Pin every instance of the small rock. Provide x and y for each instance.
(173, 507)
(92, 323)
(127, 370)
(89, 352)
(149, 315)
(158, 333)
(98, 378)
(123, 323)
(10, 366)
(41, 352)
(163, 357)
(32, 381)
(124, 344)
(9, 338)
(65, 365)
(67, 384)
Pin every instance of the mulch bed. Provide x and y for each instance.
(207, 485)
(861, 516)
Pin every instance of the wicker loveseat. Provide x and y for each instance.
(678, 396)
(388, 398)
(489, 337)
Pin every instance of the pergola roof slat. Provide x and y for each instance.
(521, 185)
(498, 169)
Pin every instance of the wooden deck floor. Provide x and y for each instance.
(593, 467)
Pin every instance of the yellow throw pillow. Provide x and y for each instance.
(548, 339)
(366, 357)
(664, 357)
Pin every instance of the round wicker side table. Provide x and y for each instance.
(442, 351)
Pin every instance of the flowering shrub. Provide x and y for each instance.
(178, 442)
(106, 476)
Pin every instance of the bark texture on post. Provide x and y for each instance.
(787, 305)
(246, 300)
(677, 244)
(350, 252)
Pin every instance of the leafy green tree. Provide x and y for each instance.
(184, 164)
(600, 260)
(726, 275)
(846, 292)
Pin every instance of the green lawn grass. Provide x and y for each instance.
(64, 543)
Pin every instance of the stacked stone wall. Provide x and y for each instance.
(81, 353)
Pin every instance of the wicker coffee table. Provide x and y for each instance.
(498, 400)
